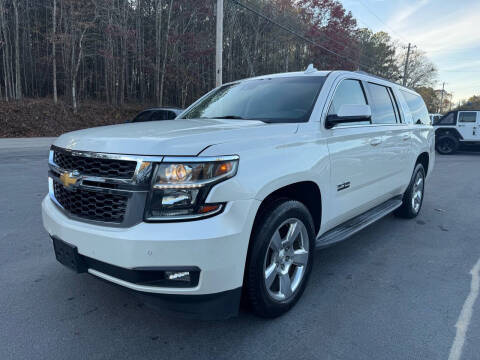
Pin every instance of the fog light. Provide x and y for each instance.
(178, 276)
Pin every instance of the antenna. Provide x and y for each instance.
(310, 69)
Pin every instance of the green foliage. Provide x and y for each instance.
(378, 53)
(473, 103)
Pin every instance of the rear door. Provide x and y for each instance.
(396, 137)
(468, 122)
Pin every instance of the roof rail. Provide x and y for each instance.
(375, 76)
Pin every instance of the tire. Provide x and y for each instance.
(447, 145)
(413, 196)
(274, 252)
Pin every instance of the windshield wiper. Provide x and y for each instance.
(235, 117)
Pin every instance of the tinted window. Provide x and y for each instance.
(417, 108)
(143, 116)
(383, 111)
(349, 92)
(468, 117)
(272, 100)
(158, 115)
(448, 119)
(171, 115)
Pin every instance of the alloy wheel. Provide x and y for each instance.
(417, 193)
(286, 259)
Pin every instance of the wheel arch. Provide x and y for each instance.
(448, 131)
(424, 159)
(306, 192)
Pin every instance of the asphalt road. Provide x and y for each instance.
(394, 291)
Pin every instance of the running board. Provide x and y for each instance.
(351, 227)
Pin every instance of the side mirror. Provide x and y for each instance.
(349, 113)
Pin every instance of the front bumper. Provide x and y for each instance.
(217, 246)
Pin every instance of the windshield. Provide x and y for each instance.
(286, 99)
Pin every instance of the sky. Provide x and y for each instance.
(448, 31)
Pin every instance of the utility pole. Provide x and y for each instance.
(219, 45)
(405, 70)
(441, 99)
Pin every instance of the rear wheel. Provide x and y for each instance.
(447, 145)
(280, 258)
(413, 197)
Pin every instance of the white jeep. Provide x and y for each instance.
(456, 128)
(235, 194)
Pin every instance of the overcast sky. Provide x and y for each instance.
(447, 30)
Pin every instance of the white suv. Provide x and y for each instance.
(236, 194)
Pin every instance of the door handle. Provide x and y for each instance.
(375, 141)
(406, 137)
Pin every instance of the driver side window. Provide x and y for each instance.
(349, 92)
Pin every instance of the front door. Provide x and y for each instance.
(355, 153)
(469, 125)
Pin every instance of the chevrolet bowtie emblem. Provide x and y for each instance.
(69, 178)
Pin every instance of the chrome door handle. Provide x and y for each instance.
(375, 142)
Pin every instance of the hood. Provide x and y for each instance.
(173, 137)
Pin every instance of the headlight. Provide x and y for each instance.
(180, 187)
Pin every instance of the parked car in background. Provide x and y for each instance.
(456, 128)
(236, 193)
(156, 114)
(434, 117)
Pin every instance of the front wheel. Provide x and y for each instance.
(280, 258)
(413, 197)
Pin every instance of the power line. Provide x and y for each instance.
(258, 12)
(379, 19)
(293, 32)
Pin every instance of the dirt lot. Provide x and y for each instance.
(41, 117)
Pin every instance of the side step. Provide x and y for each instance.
(351, 227)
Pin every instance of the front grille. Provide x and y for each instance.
(92, 205)
(109, 168)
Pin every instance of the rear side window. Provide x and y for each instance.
(448, 119)
(143, 116)
(159, 115)
(171, 115)
(467, 117)
(349, 92)
(383, 105)
(417, 108)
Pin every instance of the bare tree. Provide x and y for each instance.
(18, 84)
(165, 52)
(158, 48)
(54, 57)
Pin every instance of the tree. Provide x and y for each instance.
(18, 84)
(473, 103)
(430, 97)
(378, 54)
(421, 71)
(54, 57)
(162, 51)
